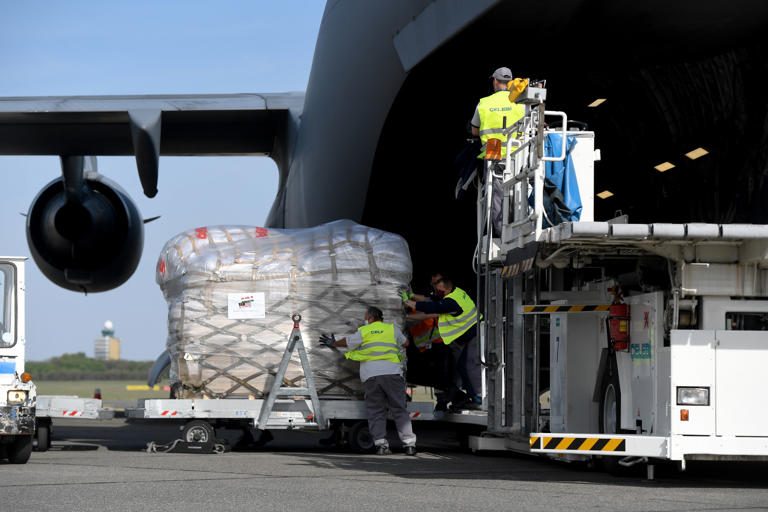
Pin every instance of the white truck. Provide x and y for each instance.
(26, 417)
(17, 391)
(649, 339)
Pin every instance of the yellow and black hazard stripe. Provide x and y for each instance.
(582, 308)
(579, 444)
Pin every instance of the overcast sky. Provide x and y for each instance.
(59, 48)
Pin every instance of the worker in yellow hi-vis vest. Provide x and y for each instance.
(495, 114)
(456, 315)
(377, 345)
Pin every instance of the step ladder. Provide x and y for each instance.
(269, 418)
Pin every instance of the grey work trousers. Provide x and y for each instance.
(497, 207)
(386, 394)
(466, 370)
(466, 357)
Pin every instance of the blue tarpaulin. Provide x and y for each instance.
(562, 174)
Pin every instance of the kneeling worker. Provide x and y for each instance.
(377, 346)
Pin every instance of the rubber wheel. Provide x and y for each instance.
(359, 438)
(609, 418)
(198, 431)
(20, 450)
(610, 405)
(42, 438)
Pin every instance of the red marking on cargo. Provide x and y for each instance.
(69, 413)
(261, 232)
(415, 414)
(201, 233)
(161, 266)
(168, 413)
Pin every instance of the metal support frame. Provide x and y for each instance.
(493, 327)
(525, 168)
(295, 342)
(514, 356)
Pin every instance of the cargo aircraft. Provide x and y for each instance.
(674, 90)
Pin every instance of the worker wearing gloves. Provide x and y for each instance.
(457, 322)
(377, 345)
(425, 326)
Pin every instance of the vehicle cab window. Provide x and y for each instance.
(7, 305)
(751, 321)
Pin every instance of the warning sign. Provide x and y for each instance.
(246, 305)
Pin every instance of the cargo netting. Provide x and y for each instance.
(231, 291)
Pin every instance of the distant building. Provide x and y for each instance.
(107, 348)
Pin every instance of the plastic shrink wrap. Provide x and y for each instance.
(231, 291)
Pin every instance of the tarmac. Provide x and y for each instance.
(103, 465)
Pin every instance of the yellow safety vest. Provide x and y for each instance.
(492, 111)
(379, 344)
(451, 327)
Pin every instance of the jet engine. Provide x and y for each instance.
(84, 232)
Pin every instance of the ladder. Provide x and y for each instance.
(295, 342)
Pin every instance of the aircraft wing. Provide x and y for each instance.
(84, 232)
(150, 126)
(224, 124)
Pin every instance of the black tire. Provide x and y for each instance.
(198, 431)
(20, 450)
(359, 438)
(42, 438)
(609, 415)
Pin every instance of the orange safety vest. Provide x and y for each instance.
(425, 333)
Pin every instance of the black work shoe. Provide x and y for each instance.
(383, 449)
(460, 404)
(410, 450)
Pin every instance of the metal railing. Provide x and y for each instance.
(525, 166)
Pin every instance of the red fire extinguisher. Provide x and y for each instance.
(618, 324)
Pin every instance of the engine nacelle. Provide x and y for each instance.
(91, 243)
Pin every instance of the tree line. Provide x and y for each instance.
(81, 367)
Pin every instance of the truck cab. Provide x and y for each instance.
(18, 395)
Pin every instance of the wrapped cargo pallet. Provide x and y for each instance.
(231, 291)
